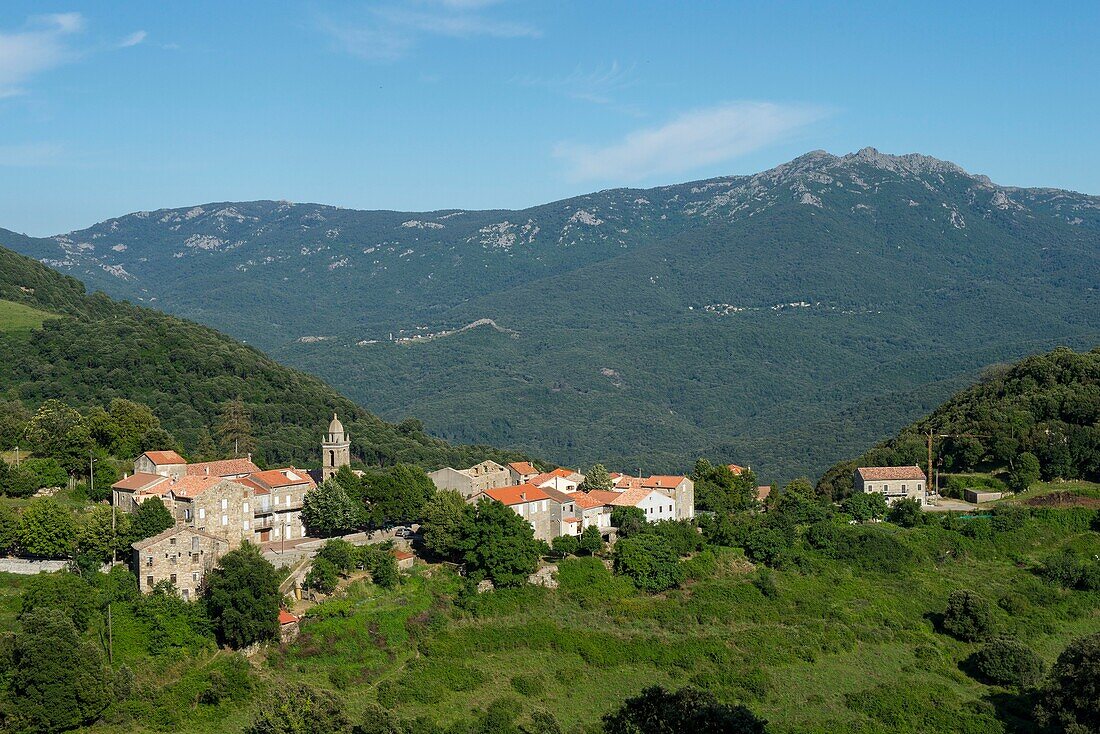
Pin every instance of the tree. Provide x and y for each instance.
(150, 518)
(101, 534)
(9, 529)
(591, 541)
(628, 521)
(800, 503)
(46, 529)
(968, 616)
(565, 545)
(323, 576)
(648, 561)
(340, 553)
(681, 536)
(498, 544)
(133, 422)
(328, 510)
(442, 526)
(242, 597)
(657, 711)
(383, 569)
(13, 422)
(63, 591)
(764, 545)
(51, 422)
(47, 472)
(906, 513)
(1025, 472)
(1070, 700)
(397, 495)
(866, 506)
(597, 478)
(19, 481)
(58, 682)
(300, 709)
(1005, 661)
(234, 428)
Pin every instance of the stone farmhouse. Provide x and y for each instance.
(181, 555)
(554, 504)
(476, 479)
(521, 472)
(230, 500)
(895, 482)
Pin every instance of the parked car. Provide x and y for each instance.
(403, 531)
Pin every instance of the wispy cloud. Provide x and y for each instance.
(45, 42)
(390, 32)
(133, 39)
(599, 85)
(26, 155)
(42, 44)
(691, 140)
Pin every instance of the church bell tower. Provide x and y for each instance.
(335, 449)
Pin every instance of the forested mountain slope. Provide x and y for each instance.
(91, 349)
(782, 320)
(1047, 405)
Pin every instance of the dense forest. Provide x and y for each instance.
(90, 350)
(1045, 407)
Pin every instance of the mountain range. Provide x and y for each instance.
(783, 320)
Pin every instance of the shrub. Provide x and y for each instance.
(764, 545)
(323, 576)
(566, 545)
(906, 512)
(1008, 662)
(680, 535)
(299, 709)
(591, 542)
(968, 616)
(340, 553)
(63, 591)
(1063, 569)
(765, 582)
(686, 710)
(526, 685)
(47, 472)
(1070, 700)
(649, 562)
(628, 520)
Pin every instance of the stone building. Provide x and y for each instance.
(469, 482)
(279, 494)
(521, 472)
(335, 449)
(549, 512)
(181, 555)
(221, 507)
(162, 463)
(895, 482)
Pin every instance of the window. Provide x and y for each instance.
(245, 508)
(194, 577)
(225, 503)
(225, 520)
(246, 524)
(149, 581)
(148, 560)
(903, 488)
(187, 595)
(276, 499)
(194, 545)
(870, 488)
(287, 498)
(171, 541)
(202, 513)
(187, 514)
(172, 578)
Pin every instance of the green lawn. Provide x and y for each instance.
(15, 317)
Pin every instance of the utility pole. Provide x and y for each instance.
(930, 435)
(110, 637)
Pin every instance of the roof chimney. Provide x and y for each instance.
(523, 496)
(250, 457)
(207, 470)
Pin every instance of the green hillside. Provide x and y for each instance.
(97, 349)
(1047, 405)
(784, 320)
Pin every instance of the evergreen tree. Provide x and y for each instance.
(597, 478)
(442, 526)
(328, 510)
(242, 597)
(499, 544)
(1070, 700)
(150, 518)
(47, 530)
(234, 428)
(58, 682)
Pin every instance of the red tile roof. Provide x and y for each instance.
(286, 617)
(551, 475)
(523, 467)
(586, 501)
(138, 480)
(569, 519)
(762, 492)
(631, 497)
(403, 555)
(276, 478)
(517, 495)
(188, 487)
(735, 468)
(885, 473)
(604, 496)
(160, 458)
(222, 468)
(662, 481)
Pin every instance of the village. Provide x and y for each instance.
(218, 504)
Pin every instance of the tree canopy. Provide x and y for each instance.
(242, 597)
(498, 544)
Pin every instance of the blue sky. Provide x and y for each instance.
(113, 107)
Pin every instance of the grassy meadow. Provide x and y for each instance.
(815, 645)
(18, 318)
